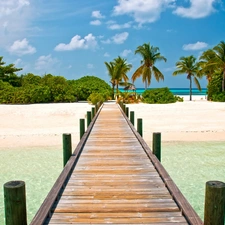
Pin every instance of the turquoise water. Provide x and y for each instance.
(190, 164)
(175, 91)
(39, 168)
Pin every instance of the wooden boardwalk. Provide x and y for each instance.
(116, 180)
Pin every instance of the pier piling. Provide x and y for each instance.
(15, 203)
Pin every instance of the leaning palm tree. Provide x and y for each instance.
(219, 60)
(189, 66)
(207, 67)
(150, 55)
(117, 71)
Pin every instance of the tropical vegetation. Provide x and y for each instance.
(117, 71)
(159, 96)
(150, 55)
(188, 65)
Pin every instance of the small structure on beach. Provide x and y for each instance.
(130, 87)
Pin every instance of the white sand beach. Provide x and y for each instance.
(43, 124)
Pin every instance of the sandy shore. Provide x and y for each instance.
(43, 124)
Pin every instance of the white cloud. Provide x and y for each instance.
(107, 41)
(9, 7)
(196, 46)
(96, 22)
(88, 42)
(15, 19)
(143, 11)
(126, 52)
(97, 14)
(112, 25)
(197, 9)
(120, 38)
(106, 54)
(45, 63)
(90, 66)
(21, 48)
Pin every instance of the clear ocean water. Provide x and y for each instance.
(175, 91)
(190, 164)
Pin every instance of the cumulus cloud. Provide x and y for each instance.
(112, 25)
(120, 38)
(196, 46)
(126, 52)
(96, 22)
(88, 42)
(21, 48)
(143, 11)
(197, 9)
(97, 14)
(45, 62)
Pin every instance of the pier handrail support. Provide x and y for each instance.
(187, 210)
(45, 209)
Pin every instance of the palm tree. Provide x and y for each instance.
(219, 60)
(189, 66)
(117, 71)
(150, 55)
(207, 67)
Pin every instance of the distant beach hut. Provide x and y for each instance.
(130, 87)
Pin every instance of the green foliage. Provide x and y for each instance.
(128, 97)
(87, 85)
(219, 97)
(159, 96)
(94, 98)
(215, 86)
(7, 73)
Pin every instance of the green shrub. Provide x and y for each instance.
(83, 87)
(94, 98)
(215, 86)
(219, 97)
(159, 95)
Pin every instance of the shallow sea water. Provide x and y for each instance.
(39, 168)
(190, 164)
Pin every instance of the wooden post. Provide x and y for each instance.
(82, 127)
(156, 145)
(132, 117)
(139, 126)
(92, 112)
(67, 148)
(88, 118)
(96, 108)
(127, 112)
(214, 203)
(15, 203)
(124, 108)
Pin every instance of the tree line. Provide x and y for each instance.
(211, 65)
(30, 88)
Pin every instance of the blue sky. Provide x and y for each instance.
(73, 38)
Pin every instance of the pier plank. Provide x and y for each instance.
(117, 180)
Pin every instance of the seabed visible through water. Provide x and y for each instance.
(190, 164)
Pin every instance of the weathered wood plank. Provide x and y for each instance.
(116, 180)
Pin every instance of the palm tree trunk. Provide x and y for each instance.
(146, 85)
(223, 80)
(190, 88)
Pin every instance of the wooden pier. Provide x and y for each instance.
(113, 177)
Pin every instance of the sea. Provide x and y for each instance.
(190, 164)
(175, 91)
